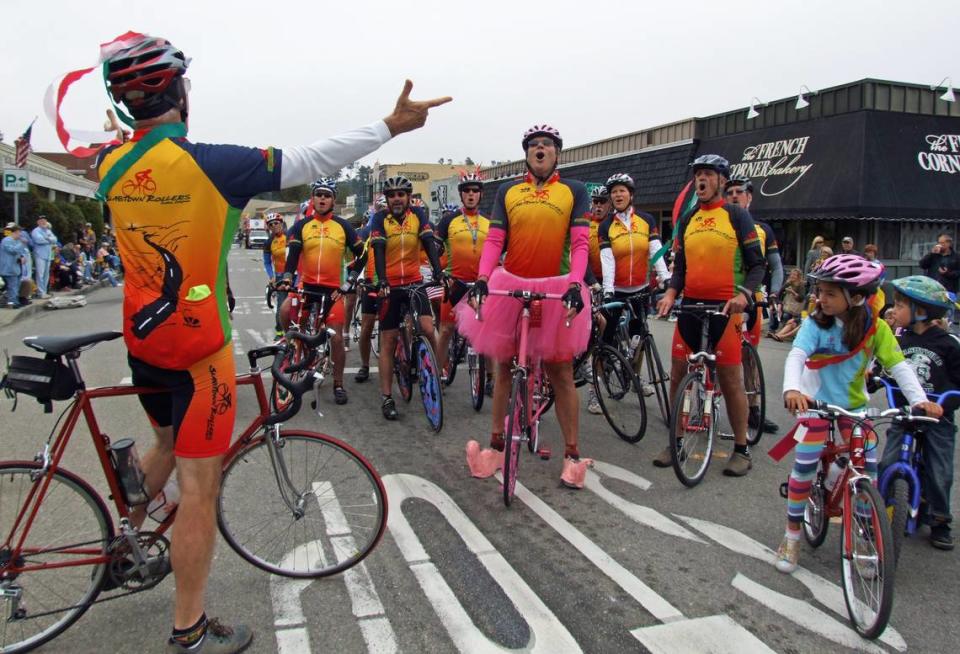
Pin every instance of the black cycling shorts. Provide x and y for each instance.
(392, 307)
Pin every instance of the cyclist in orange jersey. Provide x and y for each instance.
(174, 238)
(718, 250)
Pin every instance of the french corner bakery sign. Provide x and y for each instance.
(941, 154)
(775, 166)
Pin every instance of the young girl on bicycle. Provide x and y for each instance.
(828, 361)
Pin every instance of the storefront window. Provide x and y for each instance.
(918, 238)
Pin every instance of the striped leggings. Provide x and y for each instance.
(808, 456)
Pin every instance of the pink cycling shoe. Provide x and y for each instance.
(482, 463)
(574, 472)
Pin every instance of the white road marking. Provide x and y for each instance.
(656, 605)
(547, 633)
(126, 381)
(289, 619)
(640, 514)
(350, 371)
(716, 634)
(827, 593)
(257, 337)
(237, 345)
(803, 614)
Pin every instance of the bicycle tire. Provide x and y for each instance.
(513, 434)
(401, 366)
(693, 423)
(898, 510)
(455, 351)
(477, 368)
(656, 375)
(815, 519)
(428, 378)
(71, 513)
(345, 513)
(747, 350)
(866, 564)
(619, 393)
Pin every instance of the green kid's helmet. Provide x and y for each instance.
(927, 293)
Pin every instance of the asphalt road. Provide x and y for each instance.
(633, 563)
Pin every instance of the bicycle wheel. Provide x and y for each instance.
(71, 525)
(454, 354)
(581, 369)
(649, 368)
(898, 511)
(866, 560)
(815, 520)
(337, 511)
(516, 423)
(428, 375)
(478, 377)
(401, 366)
(755, 390)
(692, 430)
(618, 392)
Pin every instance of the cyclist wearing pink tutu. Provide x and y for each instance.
(718, 250)
(828, 362)
(544, 221)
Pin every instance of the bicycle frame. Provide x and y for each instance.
(911, 456)
(53, 453)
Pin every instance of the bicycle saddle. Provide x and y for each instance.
(60, 345)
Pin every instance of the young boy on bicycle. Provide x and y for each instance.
(934, 355)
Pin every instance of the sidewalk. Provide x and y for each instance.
(10, 316)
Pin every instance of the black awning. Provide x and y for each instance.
(867, 165)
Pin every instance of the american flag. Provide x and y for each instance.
(23, 147)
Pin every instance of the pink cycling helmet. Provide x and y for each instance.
(852, 272)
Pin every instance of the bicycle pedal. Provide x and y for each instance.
(783, 489)
(544, 453)
(726, 437)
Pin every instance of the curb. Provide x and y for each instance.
(39, 305)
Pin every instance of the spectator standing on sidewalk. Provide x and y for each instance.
(43, 241)
(12, 256)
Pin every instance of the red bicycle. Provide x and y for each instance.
(294, 503)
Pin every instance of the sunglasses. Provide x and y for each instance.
(323, 194)
(532, 143)
(736, 191)
(599, 200)
(470, 190)
(392, 194)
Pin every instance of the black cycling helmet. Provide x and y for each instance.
(147, 77)
(712, 162)
(398, 183)
(739, 180)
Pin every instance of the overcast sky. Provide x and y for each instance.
(286, 72)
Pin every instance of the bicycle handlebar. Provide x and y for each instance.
(520, 294)
(890, 389)
(896, 414)
(296, 388)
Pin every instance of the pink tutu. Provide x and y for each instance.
(498, 333)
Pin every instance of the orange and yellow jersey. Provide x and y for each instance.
(538, 223)
(594, 259)
(275, 251)
(630, 246)
(463, 236)
(175, 211)
(317, 247)
(718, 249)
(402, 242)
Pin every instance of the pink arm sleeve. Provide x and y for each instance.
(492, 248)
(579, 252)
